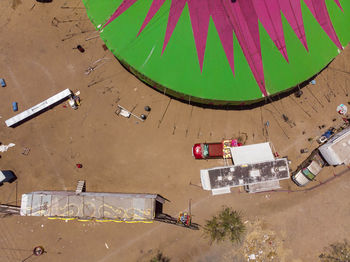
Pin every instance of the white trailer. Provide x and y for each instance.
(220, 179)
(337, 150)
(92, 205)
(254, 166)
(21, 117)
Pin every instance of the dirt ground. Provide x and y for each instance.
(38, 59)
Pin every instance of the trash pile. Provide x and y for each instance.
(261, 244)
(122, 111)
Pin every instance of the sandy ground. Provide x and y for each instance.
(37, 60)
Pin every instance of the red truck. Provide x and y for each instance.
(214, 150)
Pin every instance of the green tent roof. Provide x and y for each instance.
(223, 52)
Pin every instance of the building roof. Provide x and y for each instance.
(251, 154)
(240, 175)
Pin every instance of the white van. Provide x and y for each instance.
(308, 173)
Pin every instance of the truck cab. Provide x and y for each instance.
(207, 150)
(214, 150)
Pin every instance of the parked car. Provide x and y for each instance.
(7, 176)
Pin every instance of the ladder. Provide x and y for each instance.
(9, 209)
(80, 187)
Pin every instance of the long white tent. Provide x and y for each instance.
(21, 117)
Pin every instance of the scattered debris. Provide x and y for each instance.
(26, 151)
(262, 244)
(80, 48)
(2, 82)
(4, 148)
(324, 137)
(265, 129)
(298, 94)
(105, 48)
(74, 102)
(329, 132)
(96, 65)
(304, 150)
(14, 106)
(79, 165)
(72, 7)
(92, 37)
(55, 22)
(126, 113)
(252, 256)
(321, 139)
(342, 109)
(313, 82)
(242, 138)
(37, 251)
(123, 112)
(147, 109)
(106, 246)
(287, 120)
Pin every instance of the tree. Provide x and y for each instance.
(337, 252)
(227, 225)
